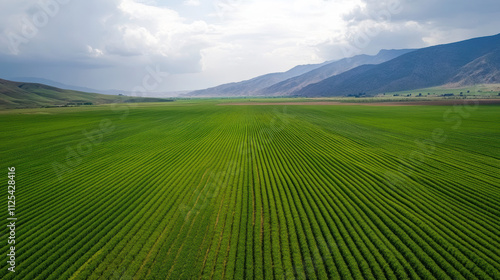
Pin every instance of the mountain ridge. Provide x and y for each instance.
(253, 85)
(426, 67)
(295, 78)
(335, 68)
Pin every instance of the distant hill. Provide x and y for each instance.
(253, 86)
(156, 94)
(32, 95)
(296, 78)
(291, 85)
(474, 61)
(483, 70)
(55, 84)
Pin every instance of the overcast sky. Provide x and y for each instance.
(111, 44)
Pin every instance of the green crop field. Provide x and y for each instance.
(194, 190)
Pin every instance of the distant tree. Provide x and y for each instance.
(420, 94)
(468, 91)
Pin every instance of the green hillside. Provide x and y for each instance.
(31, 95)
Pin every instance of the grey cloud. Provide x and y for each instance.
(412, 24)
(423, 10)
(81, 39)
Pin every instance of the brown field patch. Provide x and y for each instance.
(389, 103)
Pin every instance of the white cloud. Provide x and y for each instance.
(193, 3)
(94, 52)
(272, 35)
(151, 30)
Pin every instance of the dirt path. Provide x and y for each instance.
(406, 103)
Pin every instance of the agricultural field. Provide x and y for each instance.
(194, 190)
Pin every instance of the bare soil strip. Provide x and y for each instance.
(406, 103)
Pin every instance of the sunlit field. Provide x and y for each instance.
(195, 190)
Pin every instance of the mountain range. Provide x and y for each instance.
(255, 85)
(285, 83)
(469, 62)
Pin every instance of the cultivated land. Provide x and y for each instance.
(470, 102)
(193, 190)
